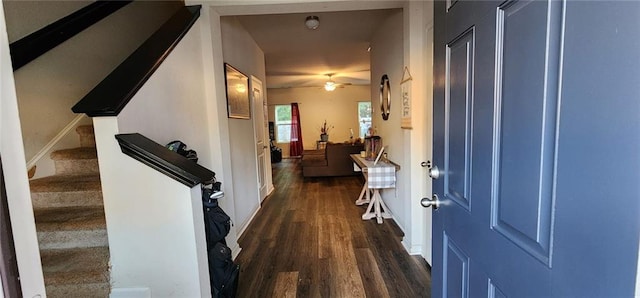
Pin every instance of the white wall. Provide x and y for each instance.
(387, 57)
(50, 85)
(241, 51)
(24, 18)
(15, 173)
(170, 105)
(155, 224)
(418, 55)
(402, 40)
(338, 107)
(216, 110)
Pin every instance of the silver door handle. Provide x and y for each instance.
(430, 202)
(434, 172)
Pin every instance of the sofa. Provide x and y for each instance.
(334, 160)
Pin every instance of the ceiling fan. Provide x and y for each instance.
(330, 85)
(289, 79)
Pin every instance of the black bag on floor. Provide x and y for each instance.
(223, 273)
(276, 154)
(216, 223)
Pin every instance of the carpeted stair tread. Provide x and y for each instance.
(66, 191)
(74, 266)
(70, 219)
(75, 153)
(85, 130)
(70, 223)
(93, 290)
(62, 183)
(87, 136)
(42, 200)
(77, 277)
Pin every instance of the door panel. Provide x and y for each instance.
(494, 292)
(537, 130)
(525, 123)
(458, 103)
(456, 270)
(598, 151)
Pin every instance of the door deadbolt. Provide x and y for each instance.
(434, 172)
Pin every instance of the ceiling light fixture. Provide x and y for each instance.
(312, 22)
(330, 85)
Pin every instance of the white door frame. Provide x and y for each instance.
(260, 133)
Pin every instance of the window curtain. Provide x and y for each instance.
(295, 145)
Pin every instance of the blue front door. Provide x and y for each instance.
(537, 139)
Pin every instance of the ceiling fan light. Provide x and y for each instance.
(241, 88)
(330, 86)
(312, 22)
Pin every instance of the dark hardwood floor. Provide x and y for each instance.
(308, 240)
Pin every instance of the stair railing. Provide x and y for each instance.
(152, 196)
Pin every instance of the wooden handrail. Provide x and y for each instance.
(164, 160)
(111, 95)
(37, 43)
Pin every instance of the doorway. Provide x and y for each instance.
(8, 262)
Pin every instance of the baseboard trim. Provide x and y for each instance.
(415, 250)
(235, 250)
(32, 162)
(270, 190)
(244, 228)
(130, 293)
(406, 245)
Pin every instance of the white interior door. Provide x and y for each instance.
(260, 128)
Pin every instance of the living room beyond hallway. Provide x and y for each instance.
(308, 240)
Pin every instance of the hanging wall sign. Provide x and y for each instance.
(405, 109)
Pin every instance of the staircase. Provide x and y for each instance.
(70, 223)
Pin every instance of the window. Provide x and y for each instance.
(364, 117)
(283, 123)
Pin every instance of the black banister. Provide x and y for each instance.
(113, 93)
(37, 43)
(164, 160)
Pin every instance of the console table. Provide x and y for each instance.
(376, 177)
(321, 145)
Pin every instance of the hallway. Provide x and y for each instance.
(308, 241)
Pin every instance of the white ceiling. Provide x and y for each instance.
(298, 57)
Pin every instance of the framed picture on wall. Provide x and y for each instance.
(238, 102)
